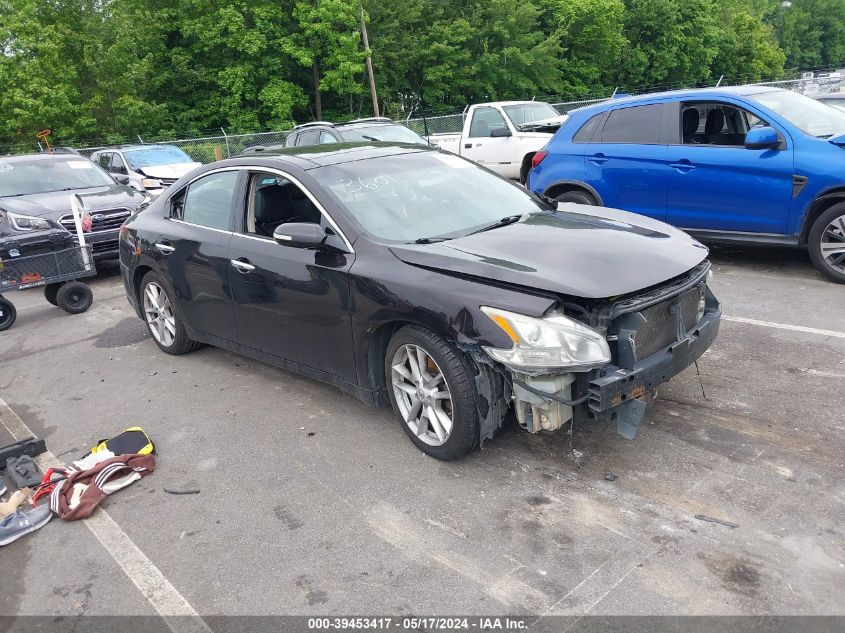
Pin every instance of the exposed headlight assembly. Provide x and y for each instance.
(27, 222)
(150, 183)
(549, 343)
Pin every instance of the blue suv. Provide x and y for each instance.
(746, 164)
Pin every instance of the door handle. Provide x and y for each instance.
(467, 145)
(242, 265)
(163, 248)
(598, 159)
(684, 166)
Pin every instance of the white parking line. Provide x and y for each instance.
(785, 326)
(149, 580)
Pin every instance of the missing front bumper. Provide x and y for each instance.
(616, 394)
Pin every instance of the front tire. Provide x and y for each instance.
(432, 392)
(577, 196)
(8, 314)
(826, 243)
(51, 292)
(162, 318)
(74, 297)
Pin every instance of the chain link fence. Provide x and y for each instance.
(207, 149)
(215, 147)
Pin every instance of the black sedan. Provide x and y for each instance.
(406, 275)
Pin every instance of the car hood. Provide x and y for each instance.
(580, 251)
(57, 203)
(177, 170)
(838, 139)
(548, 126)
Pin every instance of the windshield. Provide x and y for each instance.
(389, 133)
(156, 155)
(530, 112)
(422, 195)
(45, 175)
(808, 115)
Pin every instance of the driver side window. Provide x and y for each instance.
(273, 200)
(484, 121)
(715, 123)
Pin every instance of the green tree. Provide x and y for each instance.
(811, 32)
(670, 42)
(591, 41)
(328, 41)
(748, 48)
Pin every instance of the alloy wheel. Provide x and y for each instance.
(158, 312)
(833, 244)
(422, 394)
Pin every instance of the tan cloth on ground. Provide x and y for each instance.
(79, 495)
(14, 502)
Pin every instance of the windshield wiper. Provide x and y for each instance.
(431, 240)
(509, 219)
(371, 138)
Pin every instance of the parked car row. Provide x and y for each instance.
(406, 274)
(750, 164)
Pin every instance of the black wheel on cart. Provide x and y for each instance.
(8, 314)
(50, 293)
(74, 297)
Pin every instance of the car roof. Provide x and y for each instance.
(312, 156)
(32, 158)
(688, 93)
(508, 103)
(346, 124)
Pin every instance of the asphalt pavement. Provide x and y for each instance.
(313, 503)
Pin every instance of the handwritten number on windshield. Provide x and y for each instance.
(371, 184)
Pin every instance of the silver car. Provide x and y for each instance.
(147, 168)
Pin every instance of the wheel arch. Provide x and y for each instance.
(562, 186)
(819, 206)
(137, 276)
(376, 349)
(526, 167)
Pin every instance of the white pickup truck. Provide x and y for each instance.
(503, 136)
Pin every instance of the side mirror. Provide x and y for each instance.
(761, 138)
(500, 132)
(300, 235)
(122, 179)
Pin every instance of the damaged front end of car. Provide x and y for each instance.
(599, 361)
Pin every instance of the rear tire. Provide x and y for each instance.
(577, 196)
(8, 314)
(444, 390)
(162, 318)
(74, 297)
(50, 293)
(826, 243)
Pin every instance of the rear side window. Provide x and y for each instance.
(104, 160)
(586, 132)
(638, 124)
(327, 137)
(208, 201)
(308, 138)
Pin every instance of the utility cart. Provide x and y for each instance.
(47, 257)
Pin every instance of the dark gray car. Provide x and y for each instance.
(38, 187)
(375, 129)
